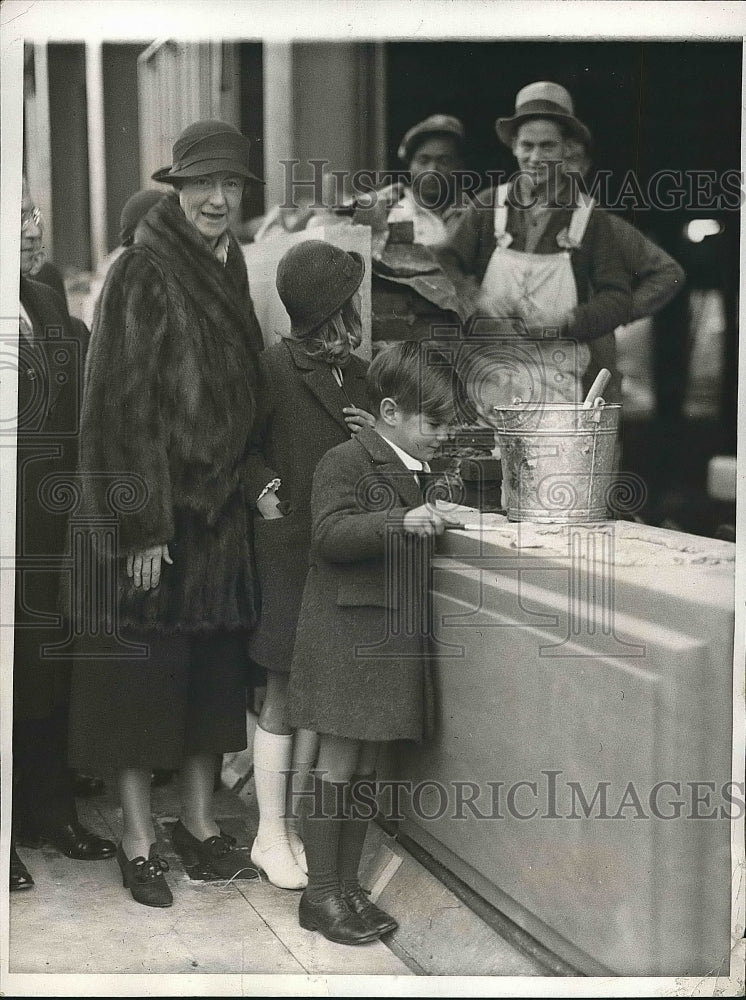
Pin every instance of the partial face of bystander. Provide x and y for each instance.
(432, 168)
(31, 234)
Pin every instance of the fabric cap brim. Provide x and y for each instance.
(506, 128)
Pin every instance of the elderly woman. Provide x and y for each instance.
(168, 408)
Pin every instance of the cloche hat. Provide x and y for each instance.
(135, 208)
(314, 280)
(207, 147)
(434, 125)
(543, 100)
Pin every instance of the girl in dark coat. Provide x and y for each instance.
(313, 397)
(168, 408)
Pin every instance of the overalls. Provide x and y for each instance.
(540, 290)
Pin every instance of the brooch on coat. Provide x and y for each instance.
(503, 240)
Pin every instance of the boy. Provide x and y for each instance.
(359, 671)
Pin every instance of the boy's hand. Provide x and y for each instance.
(424, 521)
(357, 418)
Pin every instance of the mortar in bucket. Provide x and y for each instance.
(557, 460)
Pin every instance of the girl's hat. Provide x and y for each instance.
(314, 280)
(208, 147)
(136, 208)
(543, 100)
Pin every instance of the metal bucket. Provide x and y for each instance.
(557, 461)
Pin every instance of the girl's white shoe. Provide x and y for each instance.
(299, 851)
(278, 863)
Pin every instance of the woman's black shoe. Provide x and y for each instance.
(333, 918)
(217, 855)
(144, 877)
(20, 877)
(374, 916)
(87, 786)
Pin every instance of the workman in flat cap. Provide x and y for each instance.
(412, 294)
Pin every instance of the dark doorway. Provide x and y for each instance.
(252, 121)
(69, 156)
(122, 131)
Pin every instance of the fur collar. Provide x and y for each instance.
(178, 245)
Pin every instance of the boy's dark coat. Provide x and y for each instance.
(360, 666)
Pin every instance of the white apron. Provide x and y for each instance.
(538, 289)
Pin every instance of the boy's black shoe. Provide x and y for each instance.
(374, 916)
(333, 918)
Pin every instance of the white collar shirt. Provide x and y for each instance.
(413, 464)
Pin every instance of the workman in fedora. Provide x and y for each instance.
(550, 277)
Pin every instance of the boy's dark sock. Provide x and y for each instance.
(361, 791)
(321, 827)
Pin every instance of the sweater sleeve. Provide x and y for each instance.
(610, 295)
(656, 279)
(124, 438)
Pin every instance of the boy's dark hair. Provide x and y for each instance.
(418, 376)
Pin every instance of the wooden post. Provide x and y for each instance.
(96, 153)
(279, 133)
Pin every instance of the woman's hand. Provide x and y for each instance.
(144, 566)
(357, 418)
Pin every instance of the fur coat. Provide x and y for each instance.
(168, 407)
